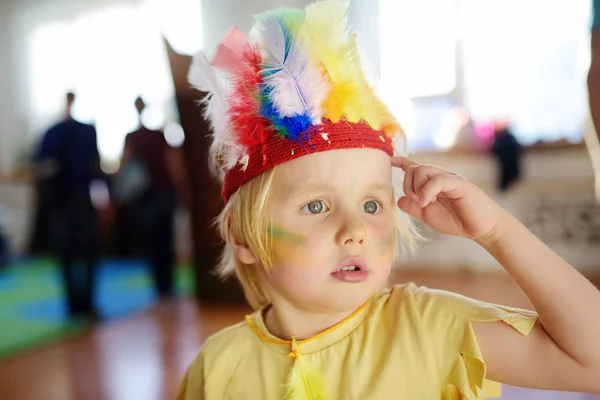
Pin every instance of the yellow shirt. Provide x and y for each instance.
(408, 342)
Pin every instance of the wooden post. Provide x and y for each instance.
(206, 202)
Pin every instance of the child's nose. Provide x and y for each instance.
(352, 231)
(350, 240)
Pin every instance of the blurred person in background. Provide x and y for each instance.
(148, 185)
(3, 238)
(507, 150)
(67, 163)
(593, 81)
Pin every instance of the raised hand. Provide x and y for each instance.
(447, 202)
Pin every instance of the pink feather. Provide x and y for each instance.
(241, 62)
(230, 52)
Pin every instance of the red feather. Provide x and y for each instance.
(249, 128)
(236, 56)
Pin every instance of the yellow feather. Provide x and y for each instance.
(368, 107)
(325, 35)
(304, 382)
(339, 97)
(389, 124)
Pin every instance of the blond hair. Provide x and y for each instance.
(246, 218)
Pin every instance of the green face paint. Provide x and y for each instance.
(283, 235)
(386, 243)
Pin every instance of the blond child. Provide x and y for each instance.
(313, 225)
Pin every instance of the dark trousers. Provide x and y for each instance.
(3, 250)
(75, 234)
(155, 214)
(509, 173)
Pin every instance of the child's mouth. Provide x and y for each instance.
(352, 270)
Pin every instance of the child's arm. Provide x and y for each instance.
(563, 350)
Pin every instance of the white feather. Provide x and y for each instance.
(232, 152)
(224, 150)
(299, 85)
(315, 88)
(203, 77)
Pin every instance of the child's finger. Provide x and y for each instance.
(408, 183)
(438, 184)
(402, 162)
(423, 174)
(410, 207)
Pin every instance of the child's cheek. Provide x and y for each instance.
(287, 237)
(384, 240)
(385, 244)
(288, 246)
(299, 250)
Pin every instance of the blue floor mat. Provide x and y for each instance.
(33, 307)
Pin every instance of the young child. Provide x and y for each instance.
(313, 224)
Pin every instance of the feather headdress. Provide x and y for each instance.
(296, 88)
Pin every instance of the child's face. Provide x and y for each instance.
(331, 210)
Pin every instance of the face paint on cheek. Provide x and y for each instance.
(284, 236)
(290, 248)
(386, 244)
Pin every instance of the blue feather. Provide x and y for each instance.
(293, 127)
(297, 126)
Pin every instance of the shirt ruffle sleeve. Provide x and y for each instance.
(454, 314)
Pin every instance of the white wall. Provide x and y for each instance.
(16, 206)
(10, 122)
(220, 15)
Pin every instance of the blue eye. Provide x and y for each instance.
(371, 207)
(315, 207)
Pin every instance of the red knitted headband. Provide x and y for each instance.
(327, 136)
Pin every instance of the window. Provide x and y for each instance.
(108, 57)
(527, 61)
(418, 44)
(418, 65)
(446, 62)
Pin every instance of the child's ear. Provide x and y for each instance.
(240, 250)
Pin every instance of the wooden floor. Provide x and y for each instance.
(144, 357)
